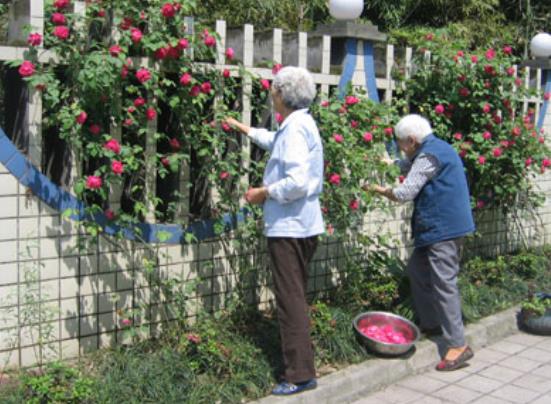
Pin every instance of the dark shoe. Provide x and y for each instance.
(286, 388)
(432, 332)
(446, 365)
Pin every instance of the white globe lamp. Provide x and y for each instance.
(346, 9)
(540, 45)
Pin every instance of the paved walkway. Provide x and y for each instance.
(516, 369)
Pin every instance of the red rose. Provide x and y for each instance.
(490, 54)
(528, 162)
(174, 144)
(487, 135)
(210, 41)
(126, 23)
(139, 102)
(482, 160)
(388, 131)
(81, 118)
(277, 67)
(486, 108)
(168, 10)
(60, 4)
(265, 84)
(224, 175)
(461, 78)
(497, 152)
(95, 129)
(143, 75)
(161, 53)
(489, 69)
(230, 53)
(101, 13)
(439, 109)
(206, 87)
(511, 71)
(474, 59)
(34, 39)
(109, 214)
(115, 50)
(464, 92)
(507, 50)
(335, 179)
(354, 204)
(458, 136)
(113, 145)
(368, 137)
(58, 19)
(165, 162)
(185, 80)
(26, 69)
(183, 44)
(351, 100)
(429, 36)
(279, 118)
(325, 103)
(195, 91)
(150, 114)
(117, 167)
(61, 32)
(136, 35)
(516, 131)
(338, 138)
(93, 182)
(226, 73)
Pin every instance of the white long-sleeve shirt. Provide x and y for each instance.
(293, 177)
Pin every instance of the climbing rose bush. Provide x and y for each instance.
(474, 100)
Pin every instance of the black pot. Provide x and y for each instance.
(534, 324)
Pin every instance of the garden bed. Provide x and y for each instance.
(234, 356)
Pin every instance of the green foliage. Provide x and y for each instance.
(59, 383)
(536, 306)
(489, 272)
(528, 264)
(474, 102)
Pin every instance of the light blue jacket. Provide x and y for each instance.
(293, 176)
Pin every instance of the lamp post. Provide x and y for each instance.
(350, 40)
(540, 48)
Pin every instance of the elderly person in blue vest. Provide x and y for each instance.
(442, 215)
(290, 192)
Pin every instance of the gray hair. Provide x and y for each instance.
(296, 86)
(413, 125)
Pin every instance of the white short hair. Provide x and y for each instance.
(413, 125)
(296, 86)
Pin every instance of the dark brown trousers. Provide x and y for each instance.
(290, 259)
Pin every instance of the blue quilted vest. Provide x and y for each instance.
(442, 209)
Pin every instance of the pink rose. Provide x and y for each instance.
(58, 19)
(518, 82)
(185, 79)
(482, 159)
(354, 124)
(93, 182)
(61, 32)
(196, 339)
(136, 35)
(368, 137)
(115, 50)
(325, 103)
(474, 59)
(490, 54)
(226, 127)
(126, 322)
(95, 129)
(460, 53)
(109, 214)
(210, 41)
(546, 162)
(528, 162)
(279, 118)
(505, 143)
(277, 67)
(61, 4)
(150, 114)
(161, 53)
(168, 10)
(351, 100)
(389, 131)
(226, 73)
(34, 39)
(174, 144)
(507, 50)
(265, 84)
(516, 131)
(206, 87)
(224, 175)
(81, 118)
(128, 122)
(511, 71)
(439, 109)
(486, 108)
(117, 167)
(462, 153)
(429, 36)
(354, 204)
(26, 69)
(458, 136)
(497, 152)
(541, 140)
(139, 102)
(335, 179)
(487, 135)
(230, 53)
(131, 110)
(497, 119)
(195, 91)
(183, 44)
(143, 75)
(113, 145)
(338, 138)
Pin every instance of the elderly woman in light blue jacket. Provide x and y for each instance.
(292, 184)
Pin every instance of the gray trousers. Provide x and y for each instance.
(433, 271)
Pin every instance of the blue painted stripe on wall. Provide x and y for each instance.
(61, 200)
(349, 65)
(545, 105)
(369, 66)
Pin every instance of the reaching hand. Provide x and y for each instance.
(256, 196)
